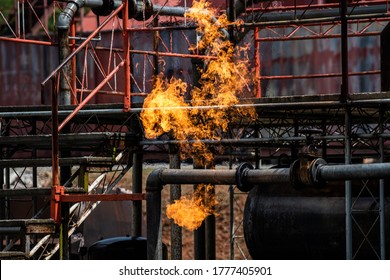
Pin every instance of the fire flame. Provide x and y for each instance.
(210, 109)
(190, 211)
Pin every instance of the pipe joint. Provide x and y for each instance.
(304, 173)
(140, 9)
(241, 174)
(105, 8)
(66, 16)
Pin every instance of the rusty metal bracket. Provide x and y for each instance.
(55, 203)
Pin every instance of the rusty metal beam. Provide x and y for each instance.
(102, 197)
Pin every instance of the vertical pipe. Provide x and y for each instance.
(175, 194)
(153, 218)
(382, 222)
(126, 53)
(137, 188)
(65, 76)
(257, 63)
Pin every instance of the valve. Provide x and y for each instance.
(303, 171)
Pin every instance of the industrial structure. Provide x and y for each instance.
(73, 79)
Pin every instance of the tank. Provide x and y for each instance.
(283, 223)
(118, 248)
(121, 248)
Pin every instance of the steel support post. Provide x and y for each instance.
(137, 188)
(385, 58)
(126, 54)
(231, 212)
(210, 234)
(385, 86)
(54, 205)
(347, 129)
(64, 230)
(348, 186)
(382, 214)
(257, 62)
(175, 194)
(200, 232)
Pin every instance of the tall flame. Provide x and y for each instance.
(210, 109)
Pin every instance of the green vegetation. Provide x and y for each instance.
(5, 7)
(6, 4)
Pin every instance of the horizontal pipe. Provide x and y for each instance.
(268, 176)
(10, 230)
(353, 171)
(223, 177)
(197, 176)
(320, 14)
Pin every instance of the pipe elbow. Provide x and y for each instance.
(154, 182)
(66, 16)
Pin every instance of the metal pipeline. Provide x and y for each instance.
(272, 18)
(245, 177)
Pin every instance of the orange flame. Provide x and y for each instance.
(224, 77)
(190, 211)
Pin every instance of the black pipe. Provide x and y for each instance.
(353, 171)
(154, 186)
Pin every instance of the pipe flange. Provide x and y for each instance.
(241, 172)
(295, 177)
(105, 9)
(143, 10)
(315, 164)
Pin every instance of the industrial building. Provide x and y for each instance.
(286, 106)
